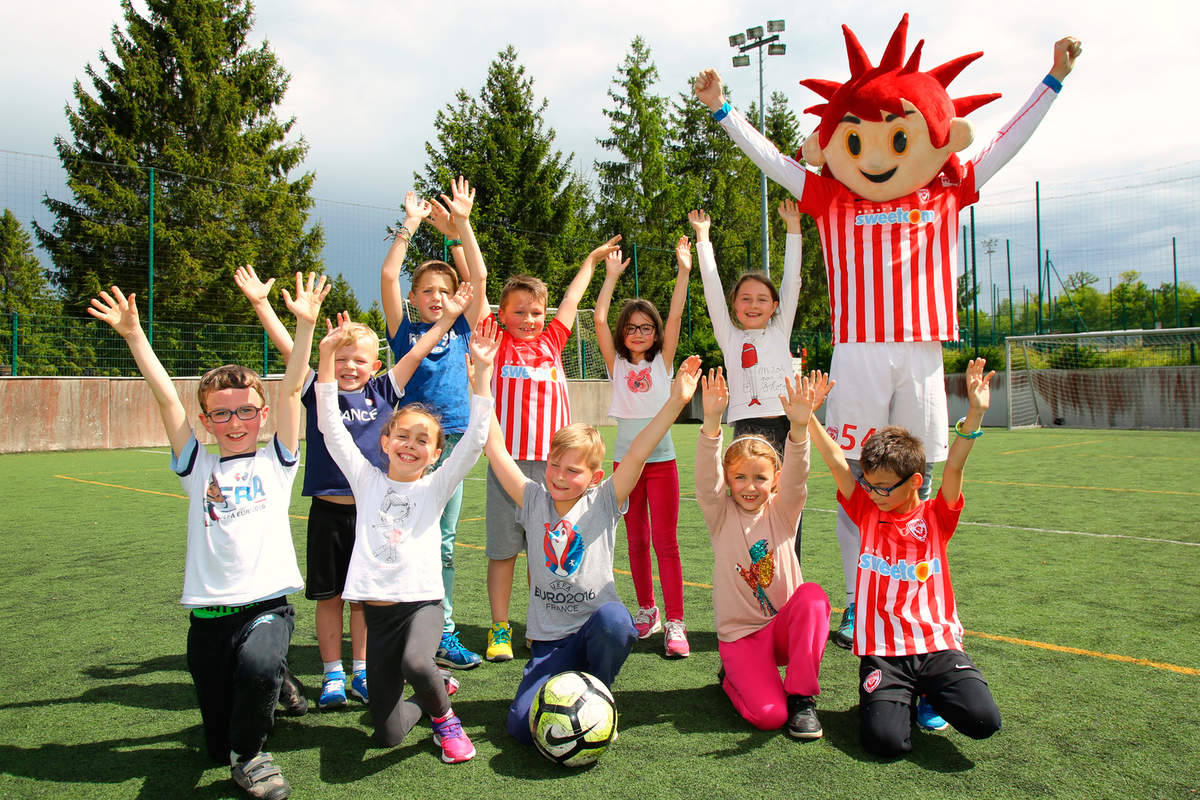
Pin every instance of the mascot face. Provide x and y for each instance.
(893, 128)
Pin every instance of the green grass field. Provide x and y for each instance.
(1076, 566)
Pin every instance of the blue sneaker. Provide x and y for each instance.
(333, 691)
(844, 635)
(452, 654)
(358, 685)
(927, 718)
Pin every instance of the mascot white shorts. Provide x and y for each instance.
(888, 383)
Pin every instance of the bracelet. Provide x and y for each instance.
(958, 429)
(454, 243)
(722, 112)
(402, 233)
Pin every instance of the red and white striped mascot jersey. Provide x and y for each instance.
(530, 388)
(904, 598)
(892, 264)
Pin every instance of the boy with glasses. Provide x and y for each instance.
(907, 632)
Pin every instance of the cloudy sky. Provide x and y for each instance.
(368, 76)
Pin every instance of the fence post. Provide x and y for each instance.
(1037, 208)
(1175, 272)
(150, 303)
(579, 339)
(1012, 329)
(974, 287)
(266, 342)
(636, 290)
(15, 371)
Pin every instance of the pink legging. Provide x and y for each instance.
(656, 495)
(795, 638)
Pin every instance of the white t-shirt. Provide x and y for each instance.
(397, 533)
(639, 392)
(239, 547)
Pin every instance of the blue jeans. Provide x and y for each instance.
(599, 648)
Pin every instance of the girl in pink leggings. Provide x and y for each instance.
(766, 616)
(640, 363)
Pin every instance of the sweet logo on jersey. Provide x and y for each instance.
(523, 372)
(639, 381)
(872, 681)
(901, 570)
(898, 216)
(563, 548)
(917, 529)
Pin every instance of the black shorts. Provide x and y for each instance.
(902, 678)
(330, 544)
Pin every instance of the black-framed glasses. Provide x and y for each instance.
(882, 491)
(644, 330)
(222, 415)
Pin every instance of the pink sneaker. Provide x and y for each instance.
(449, 735)
(450, 681)
(675, 640)
(647, 622)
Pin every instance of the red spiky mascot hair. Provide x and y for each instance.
(874, 91)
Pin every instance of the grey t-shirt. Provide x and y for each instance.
(570, 558)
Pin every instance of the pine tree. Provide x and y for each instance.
(529, 205)
(183, 93)
(24, 288)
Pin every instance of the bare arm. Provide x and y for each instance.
(460, 205)
(121, 313)
(626, 475)
(415, 210)
(307, 307)
(835, 459)
(613, 268)
(503, 465)
(408, 364)
(683, 262)
(258, 294)
(979, 394)
(569, 304)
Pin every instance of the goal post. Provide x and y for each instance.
(1105, 379)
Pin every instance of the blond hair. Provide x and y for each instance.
(356, 332)
(229, 376)
(579, 436)
(422, 410)
(751, 446)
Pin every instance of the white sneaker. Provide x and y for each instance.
(647, 622)
(675, 640)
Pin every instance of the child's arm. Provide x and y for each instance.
(710, 279)
(338, 441)
(415, 210)
(797, 404)
(452, 309)
(613, 267)
(121, 313)
(569, 304)
(306, 306)
(258, 293)
(626, 475)
(793, 248)
(503, 465)
(441, 219)
(710, 482)
(716, 399)
(460, 206)
(979, 393)
(835, 459)
(683, 262)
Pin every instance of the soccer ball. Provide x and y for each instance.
(573, 719)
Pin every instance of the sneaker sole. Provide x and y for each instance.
(448, 664)
(806, 734)
(496, 659)
(467, 757)
(669, 654)
(332, 705)
(359, 697)
(931, 729)
(656, 629)
(840, 641)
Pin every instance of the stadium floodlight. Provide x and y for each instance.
(775, 26)
(776, 49)
(741, 61)
(737, 40)
(755, 33)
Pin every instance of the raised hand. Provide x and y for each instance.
(117, 310)
(687, 378)
(441, 219)
(1066, 50)
(979, 386)
(462, 198)
(789, 210)
(798, 399)
(334, 336)
(309, 295)
(255, 290)
(601, 252)
(454, 305)
(613, 265)
(485, 342)
(709, 90)
(822, 386)
(416, 208)
(716, 393)
(683, 254)
(701, 222)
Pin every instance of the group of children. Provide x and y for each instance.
(385, 460)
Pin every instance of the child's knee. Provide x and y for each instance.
(767, 718)
(614, 623)
(886, 728)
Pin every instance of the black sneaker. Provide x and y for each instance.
(802, 717)
(292, 701)
(261, 778)
(843, 637)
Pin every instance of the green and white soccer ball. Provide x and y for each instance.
(573, 719)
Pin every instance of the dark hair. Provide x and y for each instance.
(229, 376)
(423, 410)
(631, 306)
(893, 448)
(761, 277)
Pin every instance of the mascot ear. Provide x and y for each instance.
(811, 150)
(961, 135)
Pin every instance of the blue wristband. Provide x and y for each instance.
(1053, 82)
(722, 112)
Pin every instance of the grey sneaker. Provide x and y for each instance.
(261, 778)
(802, 718)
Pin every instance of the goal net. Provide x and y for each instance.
(1105, 379)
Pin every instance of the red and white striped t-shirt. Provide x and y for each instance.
(530, 388)
(904, 602)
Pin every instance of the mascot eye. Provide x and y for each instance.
(899, 141)
(853, 143)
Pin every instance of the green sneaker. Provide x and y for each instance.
(844, 635)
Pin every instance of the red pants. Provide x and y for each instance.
(794, 638)
(656, 497)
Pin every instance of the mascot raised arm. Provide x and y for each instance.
(886, 203)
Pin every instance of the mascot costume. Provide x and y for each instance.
(886, 203)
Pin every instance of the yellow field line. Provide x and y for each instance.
(994, 637)
(1048, 447)
(1089, 488)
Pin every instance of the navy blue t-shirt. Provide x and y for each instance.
(365, 414)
